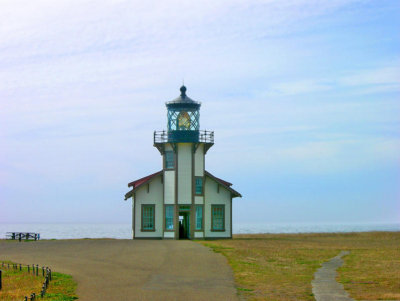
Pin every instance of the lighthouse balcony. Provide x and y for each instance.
(200, 136)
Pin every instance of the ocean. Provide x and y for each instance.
(123, 231)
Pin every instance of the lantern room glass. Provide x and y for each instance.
(183, 119)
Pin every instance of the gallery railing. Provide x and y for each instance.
(202, 136)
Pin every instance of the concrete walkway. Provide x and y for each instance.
(324, 286)
(132, 269)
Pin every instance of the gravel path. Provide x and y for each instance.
(324, 286)
(132, 269)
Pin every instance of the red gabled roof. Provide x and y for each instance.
(223, 183)
(220, 180)
(137, 183)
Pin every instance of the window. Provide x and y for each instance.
(217, 217)
(199, 185)
(169, 217)
(169, 160)
(148, 217)
(199, 217)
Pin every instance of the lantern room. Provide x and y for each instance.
(183, 118)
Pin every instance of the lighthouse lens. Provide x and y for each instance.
(183, 120)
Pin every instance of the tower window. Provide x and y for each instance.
(148, 214)
(217, 217)
(169, 217)
(199, 217)
(199, 185)
(169, 160)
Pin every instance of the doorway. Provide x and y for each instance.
(184, 225)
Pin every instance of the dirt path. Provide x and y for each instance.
(132, 269)
(324, 286)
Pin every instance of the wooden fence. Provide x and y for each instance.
(45, 272)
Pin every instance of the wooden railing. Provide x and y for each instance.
(163, 136)
(46, 273)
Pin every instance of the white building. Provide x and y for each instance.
(183, 200)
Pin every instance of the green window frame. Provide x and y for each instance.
(199, 185)
(169, 160)
(199, 217)
(169, 217)
(217, 217)
(148, 217)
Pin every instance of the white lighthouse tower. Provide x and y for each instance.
(183, 200)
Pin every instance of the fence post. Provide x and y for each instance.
(0, 280)
(37, 269)
(20, 267)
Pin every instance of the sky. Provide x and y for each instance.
(303, 96)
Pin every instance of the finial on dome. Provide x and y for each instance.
(183, 91)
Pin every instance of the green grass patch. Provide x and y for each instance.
(18, 284)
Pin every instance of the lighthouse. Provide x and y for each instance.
(183, 200)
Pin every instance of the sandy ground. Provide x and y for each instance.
(131, 269)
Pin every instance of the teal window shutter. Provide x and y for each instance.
(169, 160)
(199, 217)
(199, 185)
(169, 217)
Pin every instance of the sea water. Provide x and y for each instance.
(123, 231)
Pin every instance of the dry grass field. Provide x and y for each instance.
(281, 266)
(18, 284)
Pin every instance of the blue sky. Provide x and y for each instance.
(303, 97)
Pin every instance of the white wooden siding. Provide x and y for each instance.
(154, 197)
(169, 186)
(199, 161)
(184, 173)
(198, 234)
(169, 235)
(212, 197)
(198, 199)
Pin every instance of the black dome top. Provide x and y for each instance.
(183, 99)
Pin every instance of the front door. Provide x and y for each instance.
(184, 224)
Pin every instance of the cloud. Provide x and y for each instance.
(381, 79)
(285, 85)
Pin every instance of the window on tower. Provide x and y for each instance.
(169, 160)
(199, 217)
(169, 217)
(199, 186)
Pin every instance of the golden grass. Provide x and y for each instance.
(18, 284)
(281, 266)
(373, 272)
